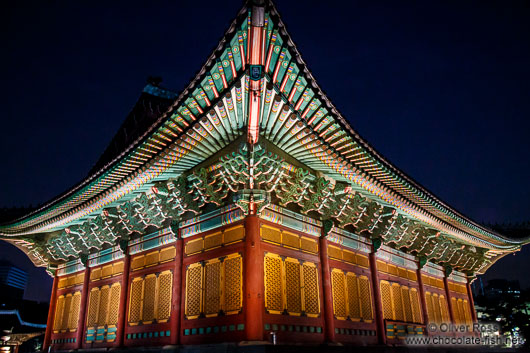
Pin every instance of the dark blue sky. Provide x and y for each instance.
(440, 88)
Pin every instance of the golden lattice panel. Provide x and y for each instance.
(66, 311)
(353, 296)
(415, 304)
(59, 309)
(104, 300)
(467, 313)
(437, 308)
(430, 309)
(149, 304)
(366, 298)
(114, 305)
(233, 284)
(93, 308)
(397, 302)
(74, 311)
(407, 305)
(311, 288)
(273, 284)
(339, 294)
(386, 298)
(233, 234)
(212, 299)
(193, 290)
(165, 287)
(444, 310)
(292, 287)
(135, 300)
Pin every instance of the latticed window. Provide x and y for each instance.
(150, 298)
(214, 286)
(104, 305)
(351, 296)
(67, 312)
(291, 286)
(400, 303)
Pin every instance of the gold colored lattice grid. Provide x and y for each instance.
(292, 287)
(233, 284)
(311, 288)
(165, 286)
(273, 284)
(212, 300)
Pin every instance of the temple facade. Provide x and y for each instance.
(246, 208)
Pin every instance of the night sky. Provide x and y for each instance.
(440, 88)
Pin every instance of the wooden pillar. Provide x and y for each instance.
(51, 315)
(82, 309)
(380, 322)
(329, 319)
(253, 300)
(177, 291)
(422, 297)
(471, 301)
(122, 317)
(448, 295)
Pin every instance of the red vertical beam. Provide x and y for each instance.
(422, 296)
(122, 317)
(51, 314)
(471, 301)
(253, 301)
(380, 323)
(82, 309)
(177, 292)
(329, 319)
(448, 295)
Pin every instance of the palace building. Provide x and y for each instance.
(245, 208)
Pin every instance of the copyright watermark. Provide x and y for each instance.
(475, 328)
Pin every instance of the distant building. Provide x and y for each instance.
(13, 282)
(501, 287)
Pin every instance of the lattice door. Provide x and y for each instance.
(292, 286)
(233, 284)
(149, 309)
(273, 284)
(59, 310)
(366, 298)
(437, 308)
(212, 300)
(338, 288)
(444, 310)
(407, 305)
(430, 308)
(311, 288)
(93, 308)
(165, 286)
(66, 311)
(74, 312)
(114, 305)
(104, 300)
(193, 291)
(386, 298)
(467, 313)
(353, 296)
(135, 300)
(415, 304)
(397, 302)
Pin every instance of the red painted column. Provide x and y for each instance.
(51, 315)
(448, 296)
(122, 317)
(422, 297)
(329, 319)
(380, 323)
(82, 309)
(177, 291)
(253, 300)
(471, 301)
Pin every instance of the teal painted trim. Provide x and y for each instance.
(70, 267)
(221, 217)
(104, 256)
(154, 240)
(293, 220)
